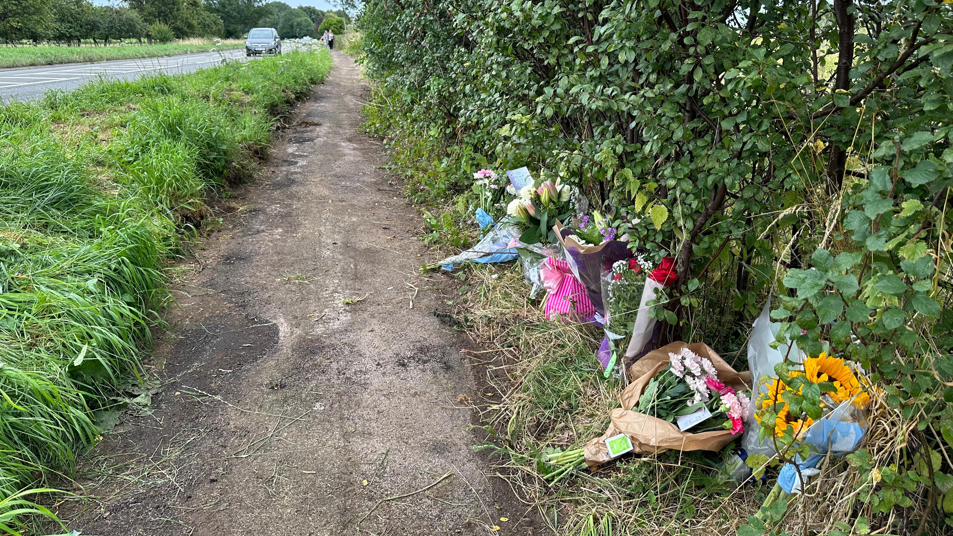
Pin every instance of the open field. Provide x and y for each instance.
(97, 185)
(25, 56)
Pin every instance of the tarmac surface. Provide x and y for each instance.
(29, 83)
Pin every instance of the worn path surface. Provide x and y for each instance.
(305, 379)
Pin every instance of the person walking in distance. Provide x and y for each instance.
(331, 39)
(325, 38)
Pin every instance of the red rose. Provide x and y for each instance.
(617, 277)
(634, 265)
(665, 273)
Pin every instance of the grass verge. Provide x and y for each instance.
(96, 185)
(26, 56)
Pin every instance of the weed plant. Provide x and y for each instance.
(91, 213)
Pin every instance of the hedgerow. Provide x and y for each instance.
(800, 149)
(96, 186)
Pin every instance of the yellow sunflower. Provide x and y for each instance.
(784, 418)
(824, 368)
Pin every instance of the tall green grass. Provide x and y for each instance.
(95, 187)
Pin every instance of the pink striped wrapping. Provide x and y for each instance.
(566, 296)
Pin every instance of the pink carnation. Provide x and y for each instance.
(736, 425)
(745, 404)
(731, 402)
(701, 390)
(715, 385)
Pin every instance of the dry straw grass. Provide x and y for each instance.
(554, 397)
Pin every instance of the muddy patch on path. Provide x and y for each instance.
(304, 383)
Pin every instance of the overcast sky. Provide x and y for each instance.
(323, 5)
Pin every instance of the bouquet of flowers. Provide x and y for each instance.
(593, 231)
(774, 407)
(659, 279)
(589, 260)
(622, 287)
(838, 430)
(490, 189)
(678, 384)
(687, 393)
(536, 208)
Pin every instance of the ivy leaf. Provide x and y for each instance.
(829, 308)
(921, 269)
(659, 214)
(924, 172)
(858, 311)
(841, 101)
(822, 260)
(807, 282)
(924, 305)
(893, 318)
(890, 284)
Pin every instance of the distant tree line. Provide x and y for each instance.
(70, 22)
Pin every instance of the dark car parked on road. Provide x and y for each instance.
(262, 41)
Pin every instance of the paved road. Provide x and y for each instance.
(29, 83)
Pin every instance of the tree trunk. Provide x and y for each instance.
(845, 59)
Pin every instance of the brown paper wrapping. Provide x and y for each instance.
(651, 435)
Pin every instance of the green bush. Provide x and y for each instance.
(160, 33)
(802, 149)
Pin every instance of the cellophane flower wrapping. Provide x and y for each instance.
(657, 281)
(588, 262)
(622, 285)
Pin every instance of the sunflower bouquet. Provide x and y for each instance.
(834, 379)
(811, 413)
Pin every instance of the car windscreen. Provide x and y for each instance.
(259, 34)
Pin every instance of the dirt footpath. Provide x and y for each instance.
(306, 378)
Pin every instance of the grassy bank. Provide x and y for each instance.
(93, 207)
(25, 56)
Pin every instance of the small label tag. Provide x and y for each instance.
(618, 445)
(687, 421)
(520, 178)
